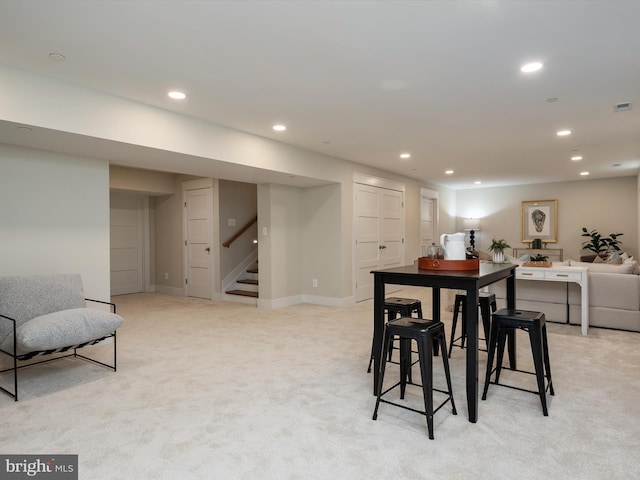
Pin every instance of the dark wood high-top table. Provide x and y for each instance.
(469, 281)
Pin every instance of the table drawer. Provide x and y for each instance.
(567, 276)
(524, 274)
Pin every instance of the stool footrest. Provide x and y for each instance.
(535, 392)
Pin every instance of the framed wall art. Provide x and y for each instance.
(540, 221)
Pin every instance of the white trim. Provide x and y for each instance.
(240, 269)
(309, 299)
(378, 182)
(428, 193)
(146, 242)
(197, 184)
(175, 291)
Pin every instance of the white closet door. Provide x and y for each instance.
(126, 232)
(379, 234)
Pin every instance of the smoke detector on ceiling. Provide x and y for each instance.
(622, 107)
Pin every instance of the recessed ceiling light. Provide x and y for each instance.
(575, 158)
(405, 155)
(584, 174)
(563, 133)
(57, 57)
(551, 100)
(176, 95)
(279, 128)
(616, 165)
(477, 182)
(449, 172)
(531, 67)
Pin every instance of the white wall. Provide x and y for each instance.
(54, 216)
(322, 256)
(200, 148)
(279, 250)
(608, 205)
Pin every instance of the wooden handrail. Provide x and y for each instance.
(240, 232)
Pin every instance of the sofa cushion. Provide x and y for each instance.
(610, 290)
(24, 298)
(62, 329)
(625, 268)
(534, 290)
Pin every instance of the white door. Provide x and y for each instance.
(126, 232)
(379, 230)
(427, 222)
(198, 239)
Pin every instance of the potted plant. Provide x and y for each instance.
(538, 260)
(598, 244)
(497, 247)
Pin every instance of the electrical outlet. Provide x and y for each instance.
(315, 282)
(166, 276)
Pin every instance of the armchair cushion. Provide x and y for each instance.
(24, 298)
(62, 329)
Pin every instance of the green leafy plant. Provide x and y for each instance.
(539, 258)
(498, 244)
(599, 244)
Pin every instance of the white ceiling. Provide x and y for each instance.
(368, 80)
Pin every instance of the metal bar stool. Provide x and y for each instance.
(507, 321)
(398, 307)
(425, 333)
(487, 303)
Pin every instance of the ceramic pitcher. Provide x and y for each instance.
(453, 246)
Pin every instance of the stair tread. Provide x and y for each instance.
(248, 281)
(243, 293)
(252, 270)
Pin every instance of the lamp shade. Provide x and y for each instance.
(471, 224)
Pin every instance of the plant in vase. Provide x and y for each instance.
(497, 247)
(599, 244)
(538, 260)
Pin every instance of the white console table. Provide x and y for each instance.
(562, 274)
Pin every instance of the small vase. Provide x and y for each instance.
(498, 256)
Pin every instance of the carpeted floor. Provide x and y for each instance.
(226, 391)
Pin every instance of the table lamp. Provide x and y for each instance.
(472, 225)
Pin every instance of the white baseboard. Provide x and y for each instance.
(311, 299)
(179, 292)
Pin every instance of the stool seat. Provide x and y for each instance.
(507, 320)
(397, 307)
(402, 303)
(426, 333)
(487, 304)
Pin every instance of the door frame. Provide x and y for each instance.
(214, 257)
(379, 182)
(147, 286)
(431, 195)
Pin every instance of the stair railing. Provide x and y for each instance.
(235, 236)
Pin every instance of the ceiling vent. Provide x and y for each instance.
(622, 107)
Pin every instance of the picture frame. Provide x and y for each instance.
(540, 220)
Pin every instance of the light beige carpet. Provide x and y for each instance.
(225, 391)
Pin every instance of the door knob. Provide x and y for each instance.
(207, 249)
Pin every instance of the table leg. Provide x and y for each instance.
(511, 303)
(471, 307)
(378, 328)
(584, 298)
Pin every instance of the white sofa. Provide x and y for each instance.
(614, 296)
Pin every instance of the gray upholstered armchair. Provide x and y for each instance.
(46, 315)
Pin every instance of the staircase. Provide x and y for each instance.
(245, 289)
